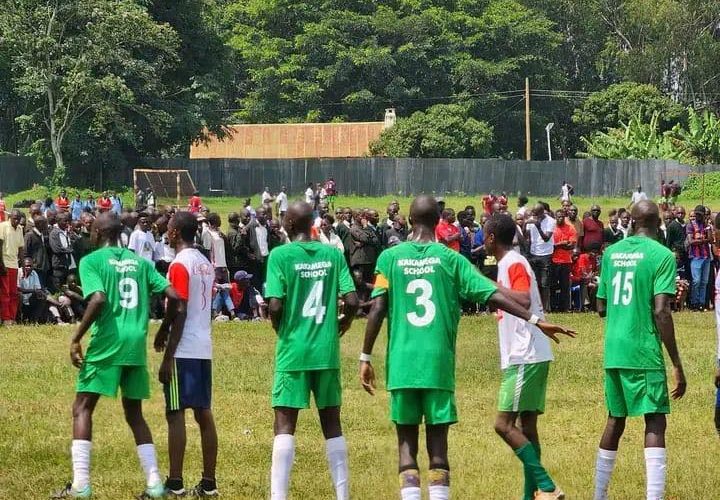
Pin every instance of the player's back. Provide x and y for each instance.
(308, 276)
(633, 272)
(425, 283)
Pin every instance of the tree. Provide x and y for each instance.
(87, 61)
(443, 131)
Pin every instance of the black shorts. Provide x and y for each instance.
(190, 385)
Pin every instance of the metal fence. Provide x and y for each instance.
(18, 173)
(410, 176)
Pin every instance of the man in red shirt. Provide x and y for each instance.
(487, 202)
(565, 239)
(104, 203)
(592, 230)
(62, 203)
(195, 203)
(584, 273)
(446, 232)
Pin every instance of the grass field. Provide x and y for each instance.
(36, 390)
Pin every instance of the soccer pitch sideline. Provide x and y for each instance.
(37, 383)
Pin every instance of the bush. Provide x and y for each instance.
(694, 188)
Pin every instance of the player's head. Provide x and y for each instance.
(106, 229)
(499, 231)
(298, 220)
(646, 218)
(424, 212)
(182, 229)
(214, 220)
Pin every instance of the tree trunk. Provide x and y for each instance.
(58, 175)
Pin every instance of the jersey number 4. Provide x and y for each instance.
(423, 301)
(622, 284)
(313, 306)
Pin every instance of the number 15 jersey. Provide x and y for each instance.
(633, 272)
(308, 276)
(425, 283)
(118, 335)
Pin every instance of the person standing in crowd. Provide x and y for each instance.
(258, 239)
(398, 229)
(310, 195)
(36, 248)
(140, 203)
(195, 203)
(566, 192)
(33, 306)
(522, 205)
(327, 233)
(446, 232)
(612, 233)
(565, 241)
(572, 215)
(11, 245)
(150, 199)
(342, 229)
(104, 203)
(61, 244)
(214, 242)
(330, 192)
(698, 244)
(592, 233)
(89, 204)
(83, 242)
(638, 196)
(3, 207)
(62, 203)
(117, 204)
(281, 202)
(624, 226)
(142, 241)
(77, 206)
(276, 234)
(365, 250)
(540, 229)
(675, 230)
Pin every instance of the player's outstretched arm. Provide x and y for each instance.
(94, 308)
(665, 325)
(376, 316)
(507, 304)
(275, 310)
(351, 304)
(177, 310)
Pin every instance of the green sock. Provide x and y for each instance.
(530, 484)
(530, 459)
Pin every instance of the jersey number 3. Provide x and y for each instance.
(624, 285)
(423, 301)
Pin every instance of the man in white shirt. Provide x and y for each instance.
(565, 191)
(310, 195)
(214, 242)
(540, 229)
(638, 196)
(142, 241)
(282, 204)
(266, 198)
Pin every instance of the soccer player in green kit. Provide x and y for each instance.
(637, 287)
(117, 284)
(304, 280)
(420, 284)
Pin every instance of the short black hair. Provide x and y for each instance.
(187, 225)
(523, 200)
(214, 219)
(329, 219)
(503, 227)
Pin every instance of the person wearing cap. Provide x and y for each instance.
(698, 236)
(246, 299)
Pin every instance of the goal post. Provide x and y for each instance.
(166, 183)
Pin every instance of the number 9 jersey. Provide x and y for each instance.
(308, 276)
(425, 283)
(127, 280)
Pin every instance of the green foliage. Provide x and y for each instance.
(443, 131)
(701, 138)
(702, 186)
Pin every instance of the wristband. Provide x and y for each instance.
(365, 357)
(534, 319)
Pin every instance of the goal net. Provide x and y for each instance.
(175, 184)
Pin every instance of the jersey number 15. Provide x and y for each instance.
(622, 284)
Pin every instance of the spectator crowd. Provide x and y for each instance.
(41, 250)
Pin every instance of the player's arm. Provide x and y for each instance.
(351, 304)
(176, 311)
(521, 297)
(601, 307)
(275, 311)
(94, 308)
(375, 318)
(502, 301)
(665, 325)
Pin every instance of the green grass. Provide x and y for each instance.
(37, 390)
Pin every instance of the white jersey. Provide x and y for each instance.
(143, 244)
(520, 342)
(565, 193)
(192, 276)
(282, 201)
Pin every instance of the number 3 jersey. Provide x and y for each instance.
(308, 277)
(633, 272)
(425, 283)
(118, 335)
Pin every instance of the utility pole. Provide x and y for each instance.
(528, 154)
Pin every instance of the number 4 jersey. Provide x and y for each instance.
(425, 283)
(118, 335)
(308, 276)
(633, 272)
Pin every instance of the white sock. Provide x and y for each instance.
(655, 469)
(410, 493)
(282, 461)
(148, 461)
(337, 456)
(604, 464)
(439, 492)
(80, 451)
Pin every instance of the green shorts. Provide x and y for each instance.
(523, 388)
(106, 379)
(632, 393)
(292, 389)
(409, 406)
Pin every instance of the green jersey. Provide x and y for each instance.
(425, 283)
(308, 276)
(633, 272)
(118, 335)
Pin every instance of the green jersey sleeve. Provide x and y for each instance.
(473, 285)
(156, 281)
(604, 270)
(665, 277)
(382, 275)
(346, 283)
(276, 284)
(90, 277)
